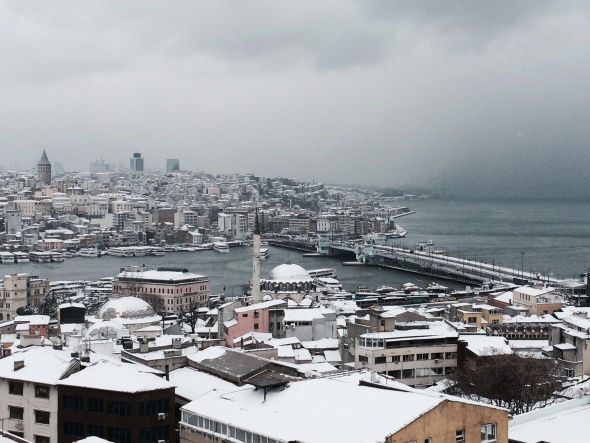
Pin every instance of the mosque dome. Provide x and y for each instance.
(126, 307)
(289, 272)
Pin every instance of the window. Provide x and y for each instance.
(41, 391)
(94, 405)
(119, 408)
(395, 358)
(153, 407)
(255, 326)
(256, 314)
(450, 355)
(488, 432)
(119, 435)
(363, 358)
(95, 430)
(41, 439)
(379, 360)
(42, 417)
(16, 413)
(421, 356)
(149, 435)
(471, 320)
(408, 373)
(437, 355)
(422, 372)
(244, 315)
(73, 403)
(460, 435)
(15, 388)
(408, 357)
(73, 428)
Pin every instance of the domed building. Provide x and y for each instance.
(132, 312)
(289, 281)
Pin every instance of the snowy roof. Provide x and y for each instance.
(124, 306)
(482, 345)
(323, 343)
(163, 276)
(533, 291)
(302, 314)
(33, 319)
(559, 423)
(263, 305)
(41, 365)
(191, 383)
(435, 330)
(108, 376)
(333, 356)
(311, 402)
(505, 297)
(289, 272)
(208, 354)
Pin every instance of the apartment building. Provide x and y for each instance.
(414, 353)
(28, 392)
(18, 290)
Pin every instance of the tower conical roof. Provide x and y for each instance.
(44, 158)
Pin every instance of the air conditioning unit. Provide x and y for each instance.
(161, 416)
(292, 325)
(436, 360)
(18, 425)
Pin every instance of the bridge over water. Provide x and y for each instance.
(462, 270)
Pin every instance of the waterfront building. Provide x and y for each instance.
(44, 169)
(170, 290)
(19, 290)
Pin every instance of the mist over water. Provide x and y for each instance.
(554, 235)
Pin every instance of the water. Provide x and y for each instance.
(554, 236)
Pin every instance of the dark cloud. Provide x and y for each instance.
(371, 92)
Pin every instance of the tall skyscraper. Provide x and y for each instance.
(44, 169)
(172, 165)
(136, 162)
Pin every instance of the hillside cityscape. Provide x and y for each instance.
(484, 353)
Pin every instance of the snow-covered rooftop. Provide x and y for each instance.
(109, 376)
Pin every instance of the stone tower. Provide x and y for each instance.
(44, 169)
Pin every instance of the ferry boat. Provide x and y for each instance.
(56, 257)
(21, 257)
(120, 252)
(6, 257)
(221, 247)
(325, 272)
(40, 257)
(88, 252)
(328, 284)
(264, 253)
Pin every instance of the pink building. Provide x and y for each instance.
(50, 244)
(253, 318)
(171, 290)
(33, 325)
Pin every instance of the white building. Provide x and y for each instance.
(28, 391)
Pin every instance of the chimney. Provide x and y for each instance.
(143, 347)
(19, 364)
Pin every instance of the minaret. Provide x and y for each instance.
(44, 169)
(256, 260)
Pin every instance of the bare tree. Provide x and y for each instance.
(189, 315)
(519, 384)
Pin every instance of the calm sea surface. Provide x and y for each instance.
(554, 236)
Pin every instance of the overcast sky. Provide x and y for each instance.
(487, 97)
